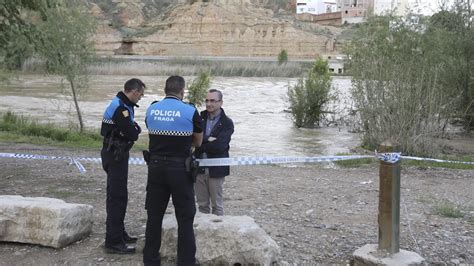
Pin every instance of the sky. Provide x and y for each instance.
(429, 7)
(425, 7)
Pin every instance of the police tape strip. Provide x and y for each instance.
(71, 160)
(434, 160)
(386, 157)
(275, 160)
(393, 157)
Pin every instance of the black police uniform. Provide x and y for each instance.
(171, 124)
(119, 131)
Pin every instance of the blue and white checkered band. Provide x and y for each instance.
(170, 117)
(114, 104)
(108, 121)
(170, 133)
(226, 161)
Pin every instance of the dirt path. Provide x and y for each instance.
(316, 213)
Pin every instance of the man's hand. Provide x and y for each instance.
(137, 127)
(211, 139)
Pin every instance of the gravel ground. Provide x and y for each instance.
(317, 213)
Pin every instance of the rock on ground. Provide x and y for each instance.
(44, 221)
(227, 240)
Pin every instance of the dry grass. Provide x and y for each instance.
(185, 67)
(194, 67)
(448, 209)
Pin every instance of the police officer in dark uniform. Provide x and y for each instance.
(174, 126)
(119, 130)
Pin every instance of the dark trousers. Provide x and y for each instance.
(164, 179)
(117, 196)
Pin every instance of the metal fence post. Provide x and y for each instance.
(389, 202)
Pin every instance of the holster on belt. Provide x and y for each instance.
(192, 167)
(146, 156)
(119, 147)
(122, 148)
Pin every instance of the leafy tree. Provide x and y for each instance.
(68, 30)
(309, 96)
(198, 89)
(450, 39)
(18, 34)
(58, 32)
(282, 57)
(396, 86)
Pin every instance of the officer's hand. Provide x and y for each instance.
(197, 151)
(137, 127)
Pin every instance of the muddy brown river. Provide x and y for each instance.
(256, 105)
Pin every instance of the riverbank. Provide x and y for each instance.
(147, 66)
(193, 66)
(317, 213)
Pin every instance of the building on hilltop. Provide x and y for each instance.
(316, 7)
(336, 12)
(333, 12)
(355, 11)
(325, 12)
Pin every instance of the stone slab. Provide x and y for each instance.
(223, 240)
(44, 221)
(370, 255)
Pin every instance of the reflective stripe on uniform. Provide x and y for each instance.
(170, 133)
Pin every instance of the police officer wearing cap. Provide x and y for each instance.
(119, 130)
(173, 126)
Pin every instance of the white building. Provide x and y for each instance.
(316, 7)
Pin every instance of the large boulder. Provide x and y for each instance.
(226, 240)
(44, 221)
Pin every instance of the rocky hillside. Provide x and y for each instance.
(209, 28)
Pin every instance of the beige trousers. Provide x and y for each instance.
(209, 192)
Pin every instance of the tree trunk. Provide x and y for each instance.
(78, 110)
(467, 80)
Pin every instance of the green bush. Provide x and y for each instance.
(282, 57)
(14, 128)
(198, 89)
(309, 96)
(409, 80)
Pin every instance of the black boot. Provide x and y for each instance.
(119, 249)
(129, 239)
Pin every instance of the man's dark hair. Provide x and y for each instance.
(133, 84)
(174, 85)
(219, 93)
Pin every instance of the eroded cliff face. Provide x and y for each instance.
(107, 39)
(217, 28)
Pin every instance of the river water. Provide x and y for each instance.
(256, 105)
